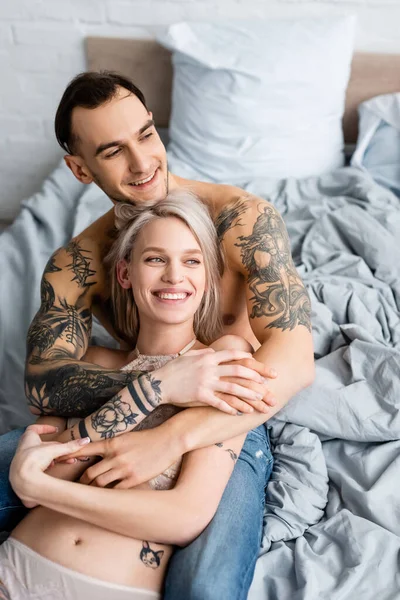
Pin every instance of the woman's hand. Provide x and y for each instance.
(33, 457)
(230, 380)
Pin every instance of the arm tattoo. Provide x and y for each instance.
(46, 289)
(149, 557)
(276, 287)
(113, 418)
(73, 389)
(229, 217)
(232, 454)
(150, 387)
(80, 264)
(116, 416)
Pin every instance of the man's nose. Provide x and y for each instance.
(139, 163)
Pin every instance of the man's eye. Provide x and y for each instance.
(148, 135)
(114, 153)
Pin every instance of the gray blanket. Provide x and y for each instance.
(332, 519)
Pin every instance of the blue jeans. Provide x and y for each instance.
(11, 508)
(219, 563)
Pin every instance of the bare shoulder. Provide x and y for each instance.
(78, 267)
(215, 195)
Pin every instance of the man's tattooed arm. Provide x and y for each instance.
(56, 381)
(276, 293)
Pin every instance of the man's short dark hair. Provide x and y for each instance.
(88, 90)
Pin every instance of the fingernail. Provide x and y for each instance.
(84, 458)
(259, 397)
(239, 414)
(84, 441)
(273, 372)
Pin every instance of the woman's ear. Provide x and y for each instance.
(123, 274)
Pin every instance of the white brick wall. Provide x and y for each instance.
(41, 49)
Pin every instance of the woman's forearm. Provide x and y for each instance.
(158, 516)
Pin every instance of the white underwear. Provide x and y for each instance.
(28, 576)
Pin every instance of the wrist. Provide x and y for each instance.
(162, 376)
(179, 434)
(30, 488)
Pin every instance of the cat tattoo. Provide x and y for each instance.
(149, 557)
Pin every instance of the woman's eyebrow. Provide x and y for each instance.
(163, 250)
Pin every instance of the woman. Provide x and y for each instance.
(88, 542)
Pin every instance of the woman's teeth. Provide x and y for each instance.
(172, 296)
(143, 180)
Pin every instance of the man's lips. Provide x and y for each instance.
(140, 183)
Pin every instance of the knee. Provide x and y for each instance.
(233, 342)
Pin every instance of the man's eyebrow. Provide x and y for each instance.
(107, 145)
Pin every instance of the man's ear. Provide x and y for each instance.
(123, 274)
(78, 167)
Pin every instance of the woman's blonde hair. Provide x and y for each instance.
(129, 221)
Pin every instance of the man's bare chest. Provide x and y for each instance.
(234, 309)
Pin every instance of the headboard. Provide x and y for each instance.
(149, 65)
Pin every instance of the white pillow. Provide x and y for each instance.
(378, 143)
(258, 100)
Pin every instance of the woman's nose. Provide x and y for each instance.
(172, 274)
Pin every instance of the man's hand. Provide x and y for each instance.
(230, 380)
(132, 458)
(33, 457)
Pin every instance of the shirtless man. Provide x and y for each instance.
(109, 134)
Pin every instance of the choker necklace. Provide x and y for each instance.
(183, 351)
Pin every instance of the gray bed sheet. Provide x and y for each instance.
(332, 517)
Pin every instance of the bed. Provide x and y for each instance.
(332, 518)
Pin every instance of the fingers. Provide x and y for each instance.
(31, 437)
(96, 471)
(222, 356)
(240, 371)
(199, 352)
(244, 393)
(94, 449)
(106, 478)
(239, 406)
(260, 368)
(41, 429)
(225, 407)
(56, 450)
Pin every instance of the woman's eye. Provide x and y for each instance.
(193, 261)
(154, 259)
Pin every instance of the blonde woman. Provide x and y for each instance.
(88, 542)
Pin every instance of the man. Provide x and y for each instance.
(109, 135)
